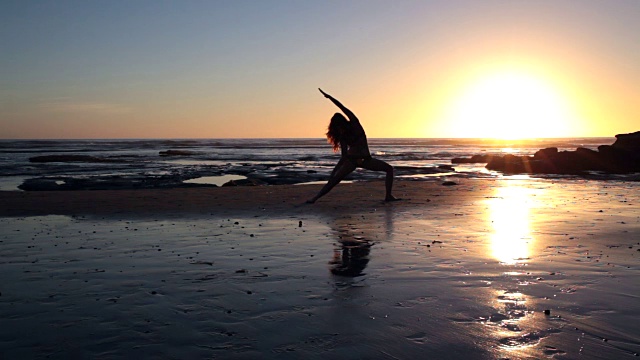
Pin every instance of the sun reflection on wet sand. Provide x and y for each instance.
(509, 214)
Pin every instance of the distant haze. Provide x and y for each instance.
(251, 69)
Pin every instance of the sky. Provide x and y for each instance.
(251, 69)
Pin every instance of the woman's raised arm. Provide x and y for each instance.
(349, 113)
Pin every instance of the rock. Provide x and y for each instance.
(446, 167)
(621, 157)
(475, 159)
(244, 182)
(71, 158)
(177, 153)
(497, 317)
(628, 142)
(610, 151)
(545, 154)
(510, 164)
(107, 182)
(42, 184)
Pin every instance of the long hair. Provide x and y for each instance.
(338, 131)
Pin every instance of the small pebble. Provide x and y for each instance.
(547, 312)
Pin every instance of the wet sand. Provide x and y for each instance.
(487, 269)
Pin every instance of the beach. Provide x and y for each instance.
(513, 268)
(161, 162)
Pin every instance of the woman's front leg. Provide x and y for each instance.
(338, 165)
(339, 174)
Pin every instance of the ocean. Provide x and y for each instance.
(158, 163)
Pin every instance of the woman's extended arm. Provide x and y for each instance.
(349, 113)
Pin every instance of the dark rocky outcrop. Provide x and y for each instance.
(446, 168)
(628, 142)
(244, 182)
(177, 153)
(107, 182)
(71, 158)
(619, 158)
(475, 159)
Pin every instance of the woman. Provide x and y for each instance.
(350, 138)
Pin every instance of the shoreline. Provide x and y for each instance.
(217, 200)
(347, 196)
(113, 164)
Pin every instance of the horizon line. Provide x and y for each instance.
(311, 138)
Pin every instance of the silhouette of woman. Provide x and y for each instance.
(350, 138)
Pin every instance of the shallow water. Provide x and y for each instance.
(136, 162)
(214, 180)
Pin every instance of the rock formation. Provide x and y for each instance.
(71, 158)
(621, 157)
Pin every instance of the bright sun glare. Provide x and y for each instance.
(509, 105)
(509, 215)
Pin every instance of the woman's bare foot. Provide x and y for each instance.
(391, 198)
(311, 201)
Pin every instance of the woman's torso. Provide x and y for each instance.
(357, 145)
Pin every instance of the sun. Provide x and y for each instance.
(509, 105)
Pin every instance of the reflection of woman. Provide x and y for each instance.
(351, 259)
(350, 138)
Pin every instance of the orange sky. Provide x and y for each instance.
(250, 69)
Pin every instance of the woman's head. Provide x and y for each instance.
(338, 130)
